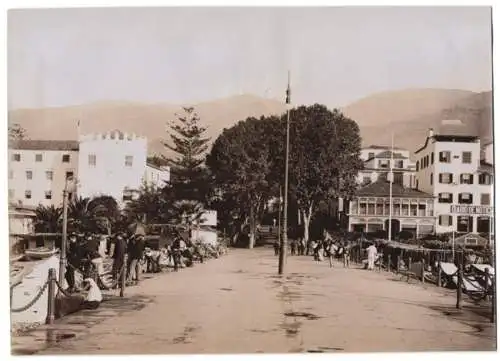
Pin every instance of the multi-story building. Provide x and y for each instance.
(111, 164)
(155, 175)
(449, 168)
(412, 210)
(38, 170)
(377, 163)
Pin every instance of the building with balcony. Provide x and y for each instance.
(412, 210)
(377, 163)
(38, 170)
(450, 168)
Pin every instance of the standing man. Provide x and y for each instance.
(372, 256)
(119, 252)
(74, 259)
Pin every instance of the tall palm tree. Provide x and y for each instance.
(152, 206)
(48, 219)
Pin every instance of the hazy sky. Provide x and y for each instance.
(335, 55)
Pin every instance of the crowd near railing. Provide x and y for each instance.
(386, 262)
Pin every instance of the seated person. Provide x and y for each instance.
(93, 297)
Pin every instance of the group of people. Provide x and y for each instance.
(326, 247)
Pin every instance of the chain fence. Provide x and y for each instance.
(32, 302)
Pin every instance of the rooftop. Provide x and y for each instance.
(380, 188)
(62, 145)
(387, 155)
(382, 147)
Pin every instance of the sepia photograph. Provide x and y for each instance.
(250, 180)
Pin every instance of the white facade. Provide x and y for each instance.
(449, 168)
(38, 171)
(377, 162)
(111, 164)
(157, 176)
(488, 153)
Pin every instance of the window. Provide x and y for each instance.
(38, 157)
(432, 176)
(445, 178)
(129, 160)
(467, 157)
(127, 195)
(466, 178)
(485, 179)
(16, 157)
(445, 220)
(483, 224)
(445, 157)
(11, 193)
(398, 178)
(445, 198)
(417, 165)
(465, 198)
(426, 160)
(69, 175)
(29, 174)
(65, 158)
(92, 160)
(432, 158)
(371, 155)
(399, 164)
(49, 175)
(485, 199)
(27, 194)
(48, 194)
(383, 164)
(464, 224)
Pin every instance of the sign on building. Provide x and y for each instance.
(471, 210)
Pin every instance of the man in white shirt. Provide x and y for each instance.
(372, 256)
(93, 298)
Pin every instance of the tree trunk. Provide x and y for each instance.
(251, 233)
(306, 217)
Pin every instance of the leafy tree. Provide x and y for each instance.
(157, 160)
(324, 158)
(152, 206)
(240, 162)
(16, 132)
(88, 215)
(48, 219)
(189, 178)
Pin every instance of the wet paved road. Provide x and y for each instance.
(238, 304)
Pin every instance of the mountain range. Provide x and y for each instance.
(409, 113)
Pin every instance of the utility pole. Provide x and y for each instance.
(64, 241)
(284, 240)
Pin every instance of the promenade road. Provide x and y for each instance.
(238, 304)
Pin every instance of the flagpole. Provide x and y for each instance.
(389, 235)
(284, 240)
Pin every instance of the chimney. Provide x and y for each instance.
(431, 132)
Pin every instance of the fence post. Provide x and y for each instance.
(51, 297)
(423, 270)
(493, 297)
(409, 264)
(138, 270)
(459, 287)
(389, 263)
(397, 266)
(439, 274)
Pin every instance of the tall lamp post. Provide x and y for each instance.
(69, 187)
(284, 239)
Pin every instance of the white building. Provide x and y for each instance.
(488, 153)
(156, 175)
(111, 164)
(377, 163)
(38, 170)
(449, 168)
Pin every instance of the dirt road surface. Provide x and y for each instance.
(238, 304)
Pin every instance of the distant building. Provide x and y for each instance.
(449, 168)
(111, 164)
(377, 164)
(487, 153)
(38, 170)
(156, 175)
(412, 210)
(21, 224)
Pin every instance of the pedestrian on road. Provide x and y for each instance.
(119, 252)
(276, 246)
(74, 259)
(372, 256)
(293, 247)
(347, 255)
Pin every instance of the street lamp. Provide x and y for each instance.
(284, 240)
(69, 187)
